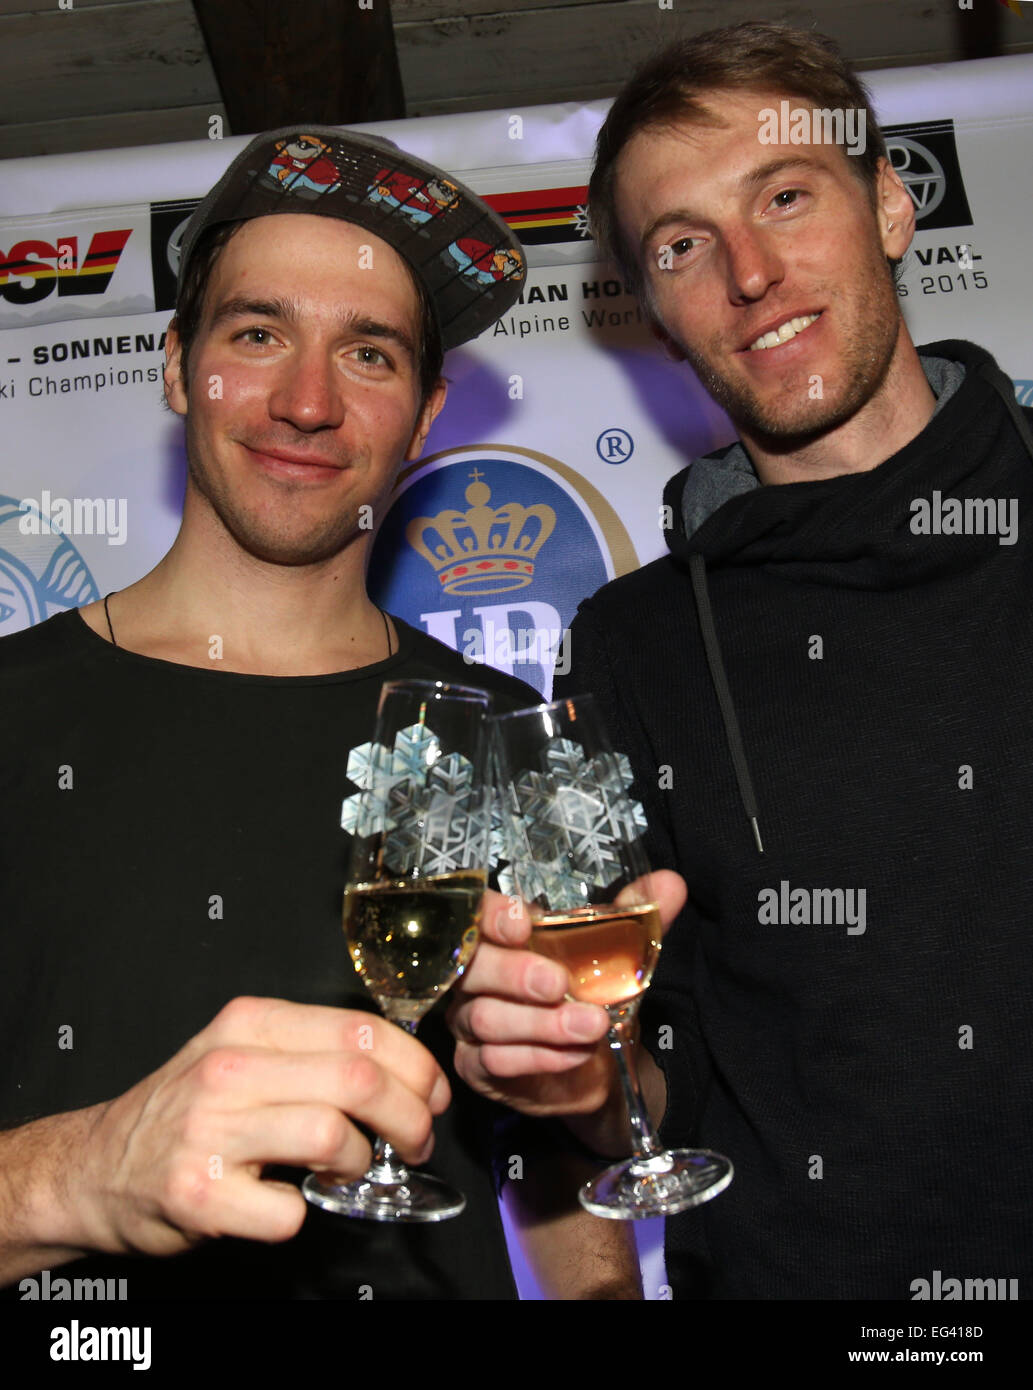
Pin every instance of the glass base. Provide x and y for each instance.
(672, 1181)
(419, 1197)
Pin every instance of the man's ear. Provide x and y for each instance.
(429, 412)
(894, 211)
(175, 387)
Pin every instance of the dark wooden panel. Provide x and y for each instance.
(109, 132)
(124, 72)
(447, 9)
(132, 57)
(12, 7)
(510, 58)
(278, 61)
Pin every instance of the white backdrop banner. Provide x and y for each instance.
(566, 415)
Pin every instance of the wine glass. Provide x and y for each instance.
(571, 835)
(419, 856)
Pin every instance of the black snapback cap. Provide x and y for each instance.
(469, 261)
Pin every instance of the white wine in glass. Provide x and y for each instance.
(410, 941)
(419, 856)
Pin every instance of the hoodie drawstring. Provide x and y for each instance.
(698, 570)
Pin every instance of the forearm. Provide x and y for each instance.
(573, 1255)
(41, 1224)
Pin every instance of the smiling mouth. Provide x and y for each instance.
(784, 333)
(294, 466)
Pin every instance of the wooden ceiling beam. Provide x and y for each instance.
(278, 62)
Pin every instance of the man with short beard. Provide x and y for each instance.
(825, 701)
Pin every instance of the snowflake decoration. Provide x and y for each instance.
(432, 815)
(564, 825)
(569, 823)
(581, 223)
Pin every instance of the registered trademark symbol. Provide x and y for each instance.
(615, 446)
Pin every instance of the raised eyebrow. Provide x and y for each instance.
(746, 184)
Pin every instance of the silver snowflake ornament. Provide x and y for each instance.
(566, 826)
(433, 816)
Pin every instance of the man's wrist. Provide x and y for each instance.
(41, 1211)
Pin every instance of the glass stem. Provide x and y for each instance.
(644, 1141)
(385, 1166)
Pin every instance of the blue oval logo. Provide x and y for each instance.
(492, 555)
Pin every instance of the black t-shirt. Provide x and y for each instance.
(170, 839)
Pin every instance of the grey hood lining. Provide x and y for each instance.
(716, 478)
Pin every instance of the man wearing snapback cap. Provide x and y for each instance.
(194, 781)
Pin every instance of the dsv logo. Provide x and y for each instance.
(31, 269)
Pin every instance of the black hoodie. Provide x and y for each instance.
(816, 695)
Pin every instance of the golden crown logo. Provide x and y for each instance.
(486, 550)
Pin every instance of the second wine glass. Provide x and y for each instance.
(572, 838)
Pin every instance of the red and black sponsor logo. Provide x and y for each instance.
(31, 269)
(544, 214)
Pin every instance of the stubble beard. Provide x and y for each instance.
(790, 417)
(266, 540)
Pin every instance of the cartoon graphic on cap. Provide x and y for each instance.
(485, 264)
(303, 165)
(419, 201)
(443, 230)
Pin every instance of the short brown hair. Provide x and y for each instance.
(194, 286)
(753, 56)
